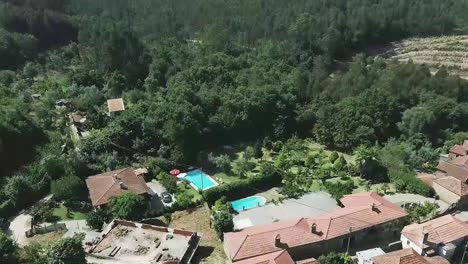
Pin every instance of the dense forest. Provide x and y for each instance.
(196, 75)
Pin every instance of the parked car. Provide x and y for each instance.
(166, 197)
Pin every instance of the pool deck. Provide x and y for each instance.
(262, 202)
(309, 205)
(182, 175)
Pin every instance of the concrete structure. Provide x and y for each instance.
(366, 219)
(130, 242)
(104, 186)
(365, 256)
(407, 256)
(440, 236)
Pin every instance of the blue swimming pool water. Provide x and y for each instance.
(199, 179)
(248, 203)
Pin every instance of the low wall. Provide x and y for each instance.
(46, 229)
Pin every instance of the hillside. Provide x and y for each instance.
(435, 52)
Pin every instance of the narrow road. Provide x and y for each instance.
(22, 222)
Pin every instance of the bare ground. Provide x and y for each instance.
(197, 219)
(435, 52)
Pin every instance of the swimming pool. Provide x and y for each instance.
(248, 203)
(199, 180)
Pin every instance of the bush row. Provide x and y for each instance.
(242, 188)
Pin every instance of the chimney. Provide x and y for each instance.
(122, 186)
(313, 228)
(425, 236)
(278, 241)
(373, 207)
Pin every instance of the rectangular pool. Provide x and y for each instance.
(200, 180)
(248, 203)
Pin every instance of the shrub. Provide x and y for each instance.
(96, 219)
(69, 188)
(128, 206)
(277, 146)
(168, 181)
(338, 190)
(67, 250)
(221, 162)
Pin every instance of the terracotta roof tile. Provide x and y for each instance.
(106, 185)
(279, 257)
(361, 211)
(454, 185)
(458, 150)
(444, 230)
(458, 171)
(115, 105)
(404, 256)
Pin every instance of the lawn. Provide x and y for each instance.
(61, 212)
(189, 190)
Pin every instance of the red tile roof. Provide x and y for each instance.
(404, 256)
(279, 257)
(458, 150)
(114, 183)
(458, 171)
(115, 105)
(461, 160)
(442, 230)
(453, 185)
(361, 211)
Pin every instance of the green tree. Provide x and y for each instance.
(417, 120)
(168, 181)
(68, 188)
(241, 166)
(128, 206)
(334, 258)
(67, 250)
(96, 219)
(222, 217)
(34, 252)
(7, 248)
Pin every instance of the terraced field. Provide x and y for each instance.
(448, 51)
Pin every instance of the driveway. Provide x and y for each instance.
(405, 198)
(158, 189)
(22, 223)
(309, 205)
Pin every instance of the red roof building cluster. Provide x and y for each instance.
(360, 211)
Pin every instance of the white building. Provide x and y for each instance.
(440, 236)
(365, 256)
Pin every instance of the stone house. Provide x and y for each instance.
(440, 236)
(366, 220)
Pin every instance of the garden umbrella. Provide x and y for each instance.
(174, 172)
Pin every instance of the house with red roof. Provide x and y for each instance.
(407, 256)
(440, 236)
(104, 186)
(366, 219)
(458, 150)
(450, 181)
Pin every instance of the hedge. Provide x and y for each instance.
(242, 188)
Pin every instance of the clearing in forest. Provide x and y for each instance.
(435, 52)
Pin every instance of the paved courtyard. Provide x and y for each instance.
(309, 205)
